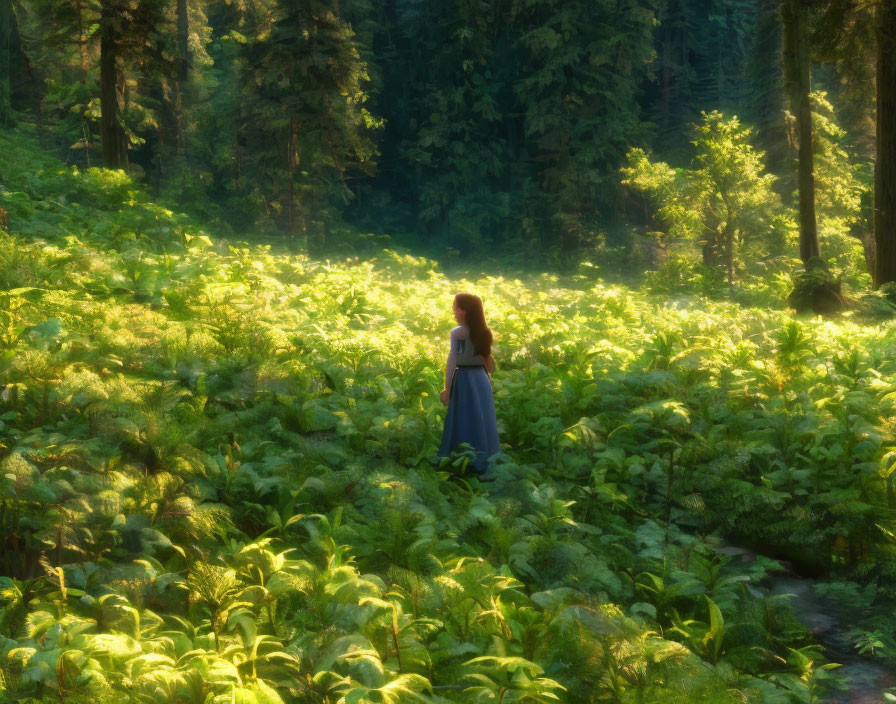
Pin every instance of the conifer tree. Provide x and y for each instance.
(766, 101)
(797, 77)
(114, 137)
(7, 26)
(310, 127)
(585, 63)
(813, 288)
(15, 71)
(884, 219)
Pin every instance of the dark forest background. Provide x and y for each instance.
(461, 126)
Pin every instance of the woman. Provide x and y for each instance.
(468, 386)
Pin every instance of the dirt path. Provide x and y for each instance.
(868, 679)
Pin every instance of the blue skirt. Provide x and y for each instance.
(471, 416)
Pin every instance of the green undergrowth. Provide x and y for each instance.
(218, 478)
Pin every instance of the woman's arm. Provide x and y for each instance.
(451, 364)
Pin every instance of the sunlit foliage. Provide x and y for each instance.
(216, 486)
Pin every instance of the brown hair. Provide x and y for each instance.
(474, 317)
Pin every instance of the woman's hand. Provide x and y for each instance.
(443, 397)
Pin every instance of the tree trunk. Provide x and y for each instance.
(728, 238)
(115, 154)
(808, 225)
(795, 54)
(884, 217)
(183, 68)
(20, 90)
(183, 48)
(7, 25)
(292, 156)
(710, 243)
(706, 252)
(82, 41)
(159, 150)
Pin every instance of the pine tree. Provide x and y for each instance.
(114, 138)
(796, 75)
(16, 79)
(310, 128)
(704, 48)
(766, 101)
(843, 45)
(585, 63)
(885, 164)
(814, 288)
(8, 35)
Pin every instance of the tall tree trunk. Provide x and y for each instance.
(183, 48)
(159, 146)
(115, 154)
(236, 145)
(292, 156)
(795, 52)
(19, 88)
(884, 218)
(7, 24)
(808, 224)
(666, 50)
(82, 40)
(183, 68)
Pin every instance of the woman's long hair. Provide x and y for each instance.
(474, 318)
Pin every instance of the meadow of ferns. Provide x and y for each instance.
(218, 483)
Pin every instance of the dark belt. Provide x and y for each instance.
(470, 366)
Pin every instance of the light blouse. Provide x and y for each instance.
(461, 352)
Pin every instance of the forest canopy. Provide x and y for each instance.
(471, 126)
